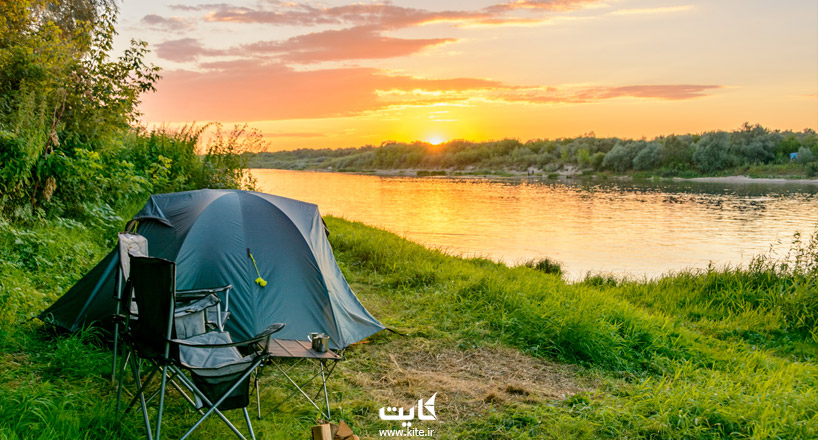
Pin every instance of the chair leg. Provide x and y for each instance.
(161, 400)
(121, 378)
(141, 396)
(141, 387)
(249, 425)
(116, 350)
(258, 396)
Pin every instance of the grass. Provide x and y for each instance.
(513, 353)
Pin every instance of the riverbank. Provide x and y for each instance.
(576, 174)
(748, 179)
(513, 353)
(749, 150)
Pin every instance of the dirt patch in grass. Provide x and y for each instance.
(468, 382)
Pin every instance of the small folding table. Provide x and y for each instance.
(280, 349)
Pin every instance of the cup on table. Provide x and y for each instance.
(320, 341)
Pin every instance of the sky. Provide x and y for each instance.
(333, 74)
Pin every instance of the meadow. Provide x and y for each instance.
(513, 353)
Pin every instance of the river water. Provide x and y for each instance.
(623, 228)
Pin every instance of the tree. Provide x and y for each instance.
(60, 92)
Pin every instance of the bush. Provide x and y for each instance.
(712, 152)
(647, 158)
(805, 155)
(168, 158)
(597, 159)
(64, 103)
(620, 159)
(225, 165)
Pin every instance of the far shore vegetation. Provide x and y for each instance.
(749, 150)
(514, 353)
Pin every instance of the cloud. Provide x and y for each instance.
(539, 5)
(171, 24)
(363, 33)
(383, 16)
(547, 95)
(672, 92)
(380, 15)
(185, 49)
(347, 44)
(245, 90)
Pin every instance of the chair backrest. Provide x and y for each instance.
(154, 284)
(130, 244)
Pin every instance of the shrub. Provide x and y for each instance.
(597, 159)
(712, 152)
(546, 265)
(584, 157)
(620, 159)
(805, 155)
(647, 158)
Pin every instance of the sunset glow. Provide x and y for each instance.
(435, 140)
(344, 74)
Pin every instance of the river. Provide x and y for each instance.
(623, 228)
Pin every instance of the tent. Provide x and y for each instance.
(210, 234)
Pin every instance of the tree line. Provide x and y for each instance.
(70, 143)
(673, 155)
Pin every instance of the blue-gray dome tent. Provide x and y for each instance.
(208, 234)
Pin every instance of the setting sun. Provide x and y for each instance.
(435, 140)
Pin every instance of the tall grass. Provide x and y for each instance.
(665, 378)
(773, 302)
(697, 355)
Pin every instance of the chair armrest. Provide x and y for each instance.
(199, 305)
(201, 293)
(255, 339)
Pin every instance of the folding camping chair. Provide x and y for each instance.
(188, 300)
(220, 374)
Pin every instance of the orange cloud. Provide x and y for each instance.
(246, 90)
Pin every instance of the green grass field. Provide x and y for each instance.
(513, 353)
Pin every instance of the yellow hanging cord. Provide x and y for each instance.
(260, 281)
